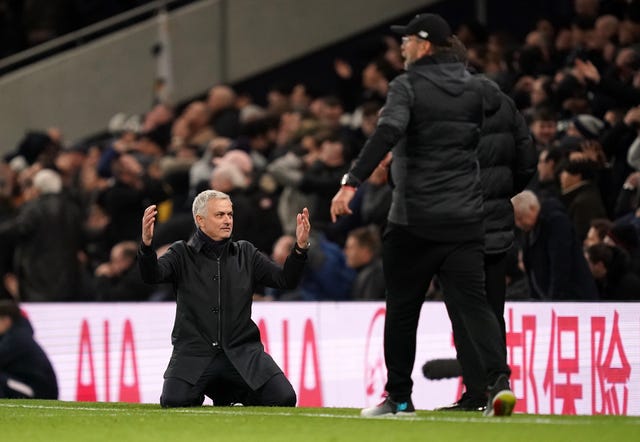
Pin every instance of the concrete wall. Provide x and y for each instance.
(211, 41)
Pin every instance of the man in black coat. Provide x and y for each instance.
(507, 161)
(216, 346)
(25, 370)
(552, 255)
(432, 119)
(611, 269)
(47, 232)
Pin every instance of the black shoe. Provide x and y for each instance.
(466, 403)
(502, 401)
(388, 407)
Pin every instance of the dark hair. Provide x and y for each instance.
(544, 113)
(371, 107)
(385, 68)
(555, 154)
(10, 308)
(332, 100)
(260, 126)
(369, 237)
(602, 226)
(600, 253)
(587, 169)
(584, 23)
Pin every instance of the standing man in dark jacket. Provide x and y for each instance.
(47, 232)
(508, 161)
(552, 255)
(25, 370)
(432, 118)
(216, 346)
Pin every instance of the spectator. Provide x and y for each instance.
(125, 199)
(281, 249)
(543, 127)
(546, 183)
(585, 126)
(610, 268)
(322, 178)
(629, 197)
(25, 369)
(597, 231)
(552, 256)
(288, 171)
(192, 127)
(225, 117)
(625, 236)
(580, 195)
(362, 252)
(119, 278)
(47, 232)
(327, 276)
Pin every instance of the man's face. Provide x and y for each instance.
(356, 255)
(568, 180)
(5, 324)
(592, 238)
(526, 218)
(545, 167)
(412, 49)
(217, 223)
(544, 131)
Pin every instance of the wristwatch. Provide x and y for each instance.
(304, 249)
(349, 181)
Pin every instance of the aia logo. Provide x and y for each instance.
(375, 372)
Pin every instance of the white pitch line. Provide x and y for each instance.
(516, 419)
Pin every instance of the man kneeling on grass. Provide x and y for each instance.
(216, 346)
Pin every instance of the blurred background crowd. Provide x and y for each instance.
(70, 213)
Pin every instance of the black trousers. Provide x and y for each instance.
(473, 370)
(223, 384)
(410, 262)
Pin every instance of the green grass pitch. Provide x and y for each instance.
(35, 420)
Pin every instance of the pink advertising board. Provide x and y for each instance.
(566, 358)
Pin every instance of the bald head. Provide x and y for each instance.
(220, 97)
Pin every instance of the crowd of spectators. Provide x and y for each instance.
(70, 214)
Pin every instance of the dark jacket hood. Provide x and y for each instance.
(444, 71)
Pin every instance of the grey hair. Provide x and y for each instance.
(47, 181)
(525, 200)
(199, 206)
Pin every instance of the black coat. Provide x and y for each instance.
(553, 258)
(432, 119)
(507, 160)
(369, 283)
(213, 309)
(48, 235)
(22, 359)
(584, 204)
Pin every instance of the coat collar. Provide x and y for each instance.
(199, 239)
